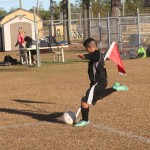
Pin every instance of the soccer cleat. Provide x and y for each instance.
(116, 84)
(121, 88)
(82, 123)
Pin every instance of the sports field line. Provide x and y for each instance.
(126, 134)
(122, 133)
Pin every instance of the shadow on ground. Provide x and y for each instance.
(30, 101)
(54, 117)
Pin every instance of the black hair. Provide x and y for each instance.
(88, 41)
(28, 39)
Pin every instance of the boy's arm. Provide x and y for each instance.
(81, 56)
(92, 56)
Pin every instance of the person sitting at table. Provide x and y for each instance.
(29, 44)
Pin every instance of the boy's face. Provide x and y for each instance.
(89, 49)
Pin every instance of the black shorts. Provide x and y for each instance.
(94, 93)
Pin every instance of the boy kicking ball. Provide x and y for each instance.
(98, 80)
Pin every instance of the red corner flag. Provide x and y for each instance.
(113, 54)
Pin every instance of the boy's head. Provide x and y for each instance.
(90, 45)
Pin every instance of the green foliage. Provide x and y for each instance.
(2, 12)
(102, 6)
(132, 5)
(45, 15)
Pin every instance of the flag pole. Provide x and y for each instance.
(109, 50)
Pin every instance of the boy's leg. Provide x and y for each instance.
(85, 113)
(91, 96)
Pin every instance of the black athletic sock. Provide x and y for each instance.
(85, 113)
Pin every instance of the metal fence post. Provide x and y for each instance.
(100, 31)
(139, 27)
(119, 33)
(108, 29)
(37, 40)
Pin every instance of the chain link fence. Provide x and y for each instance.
(120, 29)
(128, 32)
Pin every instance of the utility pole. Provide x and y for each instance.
(123, 8)
(37, 9)
(37, 39)
(51, 17)
(20, 4)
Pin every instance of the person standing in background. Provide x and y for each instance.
(20, 42)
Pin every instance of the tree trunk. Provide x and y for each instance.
(86, 21)
(115, 8)
(66, 35)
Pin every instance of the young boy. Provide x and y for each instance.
(98, 78)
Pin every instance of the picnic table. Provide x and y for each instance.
(59, 50)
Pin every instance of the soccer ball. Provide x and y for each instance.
(69, 117)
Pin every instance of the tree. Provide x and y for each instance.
(100, 6)
(2, 11)
(131, 6)
(115, 7)
(66, 22)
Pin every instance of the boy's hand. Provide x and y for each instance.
(81, 56)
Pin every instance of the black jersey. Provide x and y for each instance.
(96, 67)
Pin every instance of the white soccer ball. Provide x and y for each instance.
(69, 117)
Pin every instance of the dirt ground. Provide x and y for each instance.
(33, 99)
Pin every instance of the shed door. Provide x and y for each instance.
(14, 32)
